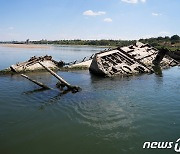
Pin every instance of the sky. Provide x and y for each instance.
(88, 19)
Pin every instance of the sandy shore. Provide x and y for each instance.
(25, 45)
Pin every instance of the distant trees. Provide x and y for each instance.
(87, 42)
(158, 42)
(175, 39)
(163, 41)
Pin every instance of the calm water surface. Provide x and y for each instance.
(109, 116)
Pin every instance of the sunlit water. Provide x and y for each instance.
(109, 116)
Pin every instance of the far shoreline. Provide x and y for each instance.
(11, 45)
(46, 46)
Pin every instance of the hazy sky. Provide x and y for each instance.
(88, 19)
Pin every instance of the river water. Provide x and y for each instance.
(109, 116)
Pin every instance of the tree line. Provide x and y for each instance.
(173, 41)
(156, 42)
(87, 42)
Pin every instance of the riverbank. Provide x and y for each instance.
(47, 46)
(25, 46)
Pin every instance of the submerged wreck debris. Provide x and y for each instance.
(32, 64)
(164, 52)
(36, 82)
(133, 59)
(81, 64)
(62, 83)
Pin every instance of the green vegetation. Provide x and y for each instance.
(111, 43)
(172, 43)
